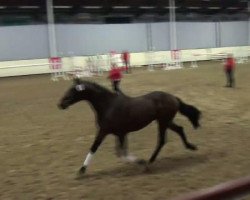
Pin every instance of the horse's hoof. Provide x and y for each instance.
(141, 162)
(192, 147)
(82, 170)
(147, 169)
(80, 173)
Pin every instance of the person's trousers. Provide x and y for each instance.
(127, 65)
(116, 84)
(230, 78)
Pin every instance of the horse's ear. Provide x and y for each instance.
(77, 81)
(80, 87)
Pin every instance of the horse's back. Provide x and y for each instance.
(160, 96)
(165, 103)
(153, 99)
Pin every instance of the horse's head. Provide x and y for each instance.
(76, 93)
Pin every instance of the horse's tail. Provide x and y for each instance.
(191, 112)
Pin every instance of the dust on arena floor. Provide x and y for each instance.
(42, 147)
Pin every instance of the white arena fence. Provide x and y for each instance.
(93, 65)
(97, 64)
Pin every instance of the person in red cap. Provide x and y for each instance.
(229, 68)
(126, 60)
(115, 76)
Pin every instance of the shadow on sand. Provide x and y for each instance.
(163, 165)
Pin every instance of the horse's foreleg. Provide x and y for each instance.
(161, 140)
(121, 145)
(122, 150)
(98, 140)
(179, 130)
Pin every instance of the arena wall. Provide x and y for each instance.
(41, 66)
(31, 42)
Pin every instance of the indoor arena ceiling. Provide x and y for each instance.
(121, 11)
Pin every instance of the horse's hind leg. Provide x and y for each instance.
(180, 131)
(162, 127)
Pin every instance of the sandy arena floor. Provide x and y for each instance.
(42, 147)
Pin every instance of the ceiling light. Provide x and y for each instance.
(62, 7)
(121, 7)
(194, 7)
(232, 8)
(214, 8)
(28, 7)
(147, 7)
(168, 7)
(92, 7)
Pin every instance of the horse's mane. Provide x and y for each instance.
(97, 87)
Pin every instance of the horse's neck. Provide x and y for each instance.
(101, 101)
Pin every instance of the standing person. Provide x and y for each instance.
(115, 76)
(126, 60)
(229, 68)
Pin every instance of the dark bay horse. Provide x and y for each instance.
(119, 114)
